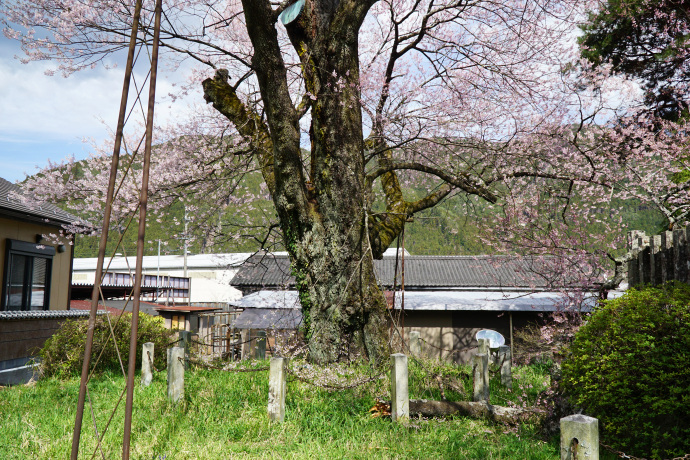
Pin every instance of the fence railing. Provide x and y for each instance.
(217, 336)
(659, 258)
(165, 285)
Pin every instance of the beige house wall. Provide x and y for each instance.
(61, 276)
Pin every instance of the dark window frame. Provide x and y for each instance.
(31, 251)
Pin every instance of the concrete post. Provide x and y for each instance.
(175, 373)
(146, 364)
(484, 346)
(400, 397)
(186, 343)
(484, 349)
(480, 369)
(415, 344)
(505, 359)
(579, 438)
(259, 344)
(245, 336)
(277, 383)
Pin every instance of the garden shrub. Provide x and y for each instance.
(629, 366)
(62, 354)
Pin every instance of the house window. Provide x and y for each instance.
(28, 268)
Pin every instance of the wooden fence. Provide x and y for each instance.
(659, 258)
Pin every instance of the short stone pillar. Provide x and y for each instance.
(415, 344)
(277, 384)
(480, 367)
(175, 373)
(484, 349)
(400, 397)
(579, 438)
(484, 346)
(505, 360)
(186, 343)
(245, 338)
(146, 364)
(259, 345)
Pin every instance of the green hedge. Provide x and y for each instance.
(62, 354)
(629, 366)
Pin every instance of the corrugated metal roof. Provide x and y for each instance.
(266, 318)
(269, 299)
(439, 300)
(11, 204)
(195, 261)
(264, 270)
(490, 301)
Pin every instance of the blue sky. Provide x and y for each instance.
(49, 117)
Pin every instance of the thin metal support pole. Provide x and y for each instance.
(402, 288)
(143, 201)
(95, 294)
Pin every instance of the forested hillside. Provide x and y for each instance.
(452, 228)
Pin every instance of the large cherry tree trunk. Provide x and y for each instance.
(323, 211)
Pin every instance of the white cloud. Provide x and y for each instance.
(46, 117)
(76, 107)
(56, 107)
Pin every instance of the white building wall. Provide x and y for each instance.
(210, 274)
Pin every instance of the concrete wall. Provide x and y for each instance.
(61, 276)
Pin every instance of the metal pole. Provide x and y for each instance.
(185, 241)
(143, 200)
(512, 355)
(158, 273)
(95, 294)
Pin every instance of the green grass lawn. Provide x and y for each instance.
(224, 415)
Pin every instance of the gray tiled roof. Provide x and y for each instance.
(46, 212)
(421, 272)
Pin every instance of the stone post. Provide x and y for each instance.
(481, 377)
(259, 350)
(415, 344)
(186, 343)
(579, 438)
(400, 397)
(505, 359)
(245, 336)
(277, 384)
(484, 346)
(484, 349)
(175, 373)
(146, 364)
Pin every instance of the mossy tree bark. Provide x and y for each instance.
(328, 230)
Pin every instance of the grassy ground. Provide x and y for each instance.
(224, 416)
